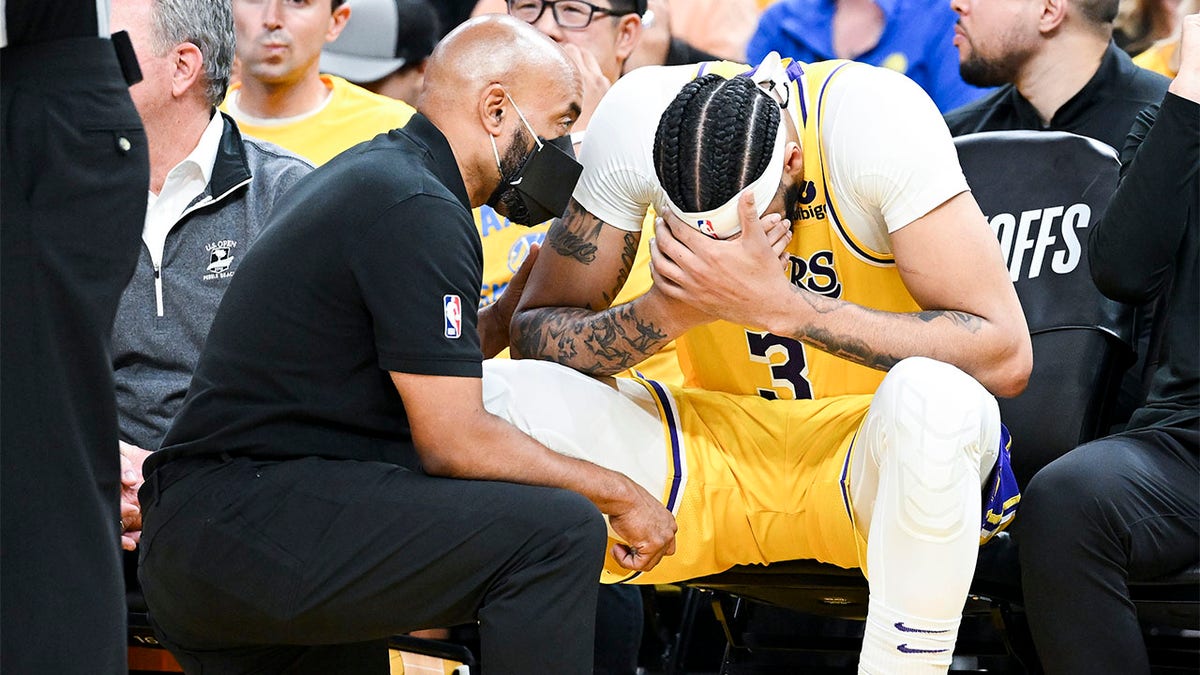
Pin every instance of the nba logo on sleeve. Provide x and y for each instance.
(452, 309)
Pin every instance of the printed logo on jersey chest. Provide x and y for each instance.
(806, 194)
(220, 259)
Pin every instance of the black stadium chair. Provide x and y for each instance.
(1040, 191)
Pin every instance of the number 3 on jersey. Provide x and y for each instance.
(786, 359)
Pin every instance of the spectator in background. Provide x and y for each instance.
(660, 45)
(1127, 507)
(1056, 66)
(210, 193)
(1163, 56)
(283, 97)
(75, 167)
(453, 12)
(384, 47)
(913, 37)
(720, 27)
(1058, 70)
(698, 30)
(1139, 23)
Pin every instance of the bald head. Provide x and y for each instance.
(493, 49)
(482, 78)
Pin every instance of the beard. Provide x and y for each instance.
(505, 199)
(791, 202)
(996, 71)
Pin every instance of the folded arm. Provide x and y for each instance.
(565, 314)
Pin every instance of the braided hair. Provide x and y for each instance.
(714, 139)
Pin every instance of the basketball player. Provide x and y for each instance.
(890, 259)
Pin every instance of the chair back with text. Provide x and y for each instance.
(1042, 192)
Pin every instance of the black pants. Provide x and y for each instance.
(74, 179)
(619, 623)
(1126, 507)
(252, 566)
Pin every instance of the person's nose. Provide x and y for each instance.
(547, 25)
(272, 16)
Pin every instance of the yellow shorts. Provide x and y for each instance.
(754, 481)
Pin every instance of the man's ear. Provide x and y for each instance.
(189, 68)
(793, 160)
(337, 21)
(629, 33)
(1054, 12)
(492, 108)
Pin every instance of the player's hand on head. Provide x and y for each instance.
(739, 279)
(649, 530)
(663, 273)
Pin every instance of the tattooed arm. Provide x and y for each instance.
(565, 312)
(949, 261)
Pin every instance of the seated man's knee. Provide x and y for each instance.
(568, 517)
(936, 431)
(1065, 494)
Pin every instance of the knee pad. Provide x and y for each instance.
(934, 433)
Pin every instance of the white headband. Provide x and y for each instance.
(722, 222)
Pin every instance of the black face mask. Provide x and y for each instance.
(539, 187)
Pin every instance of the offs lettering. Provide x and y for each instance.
(1031, 238)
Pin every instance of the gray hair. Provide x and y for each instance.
(208, 24)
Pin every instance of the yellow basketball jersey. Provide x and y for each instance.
(826, 258)
(752, 481)
(505, 246)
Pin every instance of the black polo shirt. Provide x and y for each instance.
(1104, 109)
(370, 264)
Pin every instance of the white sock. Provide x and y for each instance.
(898, 644)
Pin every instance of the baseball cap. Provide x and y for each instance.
(380, 37)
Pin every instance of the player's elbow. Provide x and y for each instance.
(1010, 369)
(438, 464)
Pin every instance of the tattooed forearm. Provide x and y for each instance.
(851, 349)
(970, 322)
(575, 234)
(597, 343)
(862, 346)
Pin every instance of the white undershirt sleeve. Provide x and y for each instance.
(889, 155)
(618, 181)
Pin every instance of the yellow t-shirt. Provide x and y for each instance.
(351, 115)
(1158, 58)
(505, 246)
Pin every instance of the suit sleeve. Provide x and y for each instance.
(1133, 248)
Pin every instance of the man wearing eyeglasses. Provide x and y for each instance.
(597, 37)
